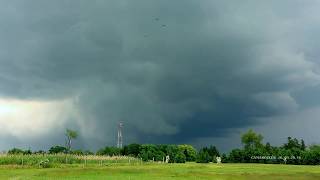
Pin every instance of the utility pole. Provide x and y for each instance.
(120, 140)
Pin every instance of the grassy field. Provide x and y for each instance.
(164, 171)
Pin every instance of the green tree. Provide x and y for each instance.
(251, 140)
(132, 150)
(224, 158)
(292, 143)
(203, 157)
(312, 155)
(39, 152)
(70, 135)
(172, 150)
(303, 145)
(180, 157)
(27, 152)
(151, 152)
(314, 147)
(237, 156)
(268, 148)
(88, 152)
(16, 151)
(213, 151)
(109, 151)
(189, 151)
(57, 149)
(77, 152)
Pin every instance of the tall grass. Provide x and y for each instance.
(53, 160)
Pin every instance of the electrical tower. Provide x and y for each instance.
(120, 140)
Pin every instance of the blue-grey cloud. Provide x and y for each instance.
(171, 70)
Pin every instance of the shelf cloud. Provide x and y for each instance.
(172, 71)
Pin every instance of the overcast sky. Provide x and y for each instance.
(192, 71)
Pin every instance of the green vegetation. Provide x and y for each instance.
(109, 151)
(189, 152)
(57, 150)
(203, 157)
(166, 171)
(58, 160)
(70, 134)
(253, 151)
(147, 161)
(292, 152)
(207, 155)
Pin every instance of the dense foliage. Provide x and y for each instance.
(109, 151)
(15, 151)
(294, 151)
(57, 149)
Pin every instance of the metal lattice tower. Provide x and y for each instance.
(120, 140)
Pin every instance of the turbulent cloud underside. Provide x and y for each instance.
(172, 71)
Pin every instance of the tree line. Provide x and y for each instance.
(294, 151)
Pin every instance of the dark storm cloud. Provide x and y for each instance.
(176, 70)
